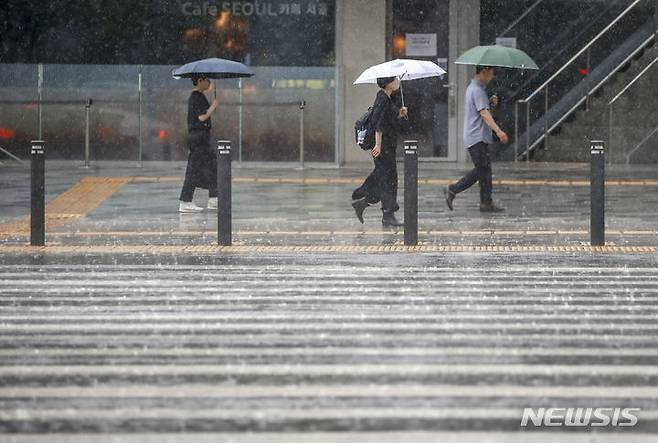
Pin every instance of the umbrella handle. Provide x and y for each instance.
(402, 94)
(402, 91)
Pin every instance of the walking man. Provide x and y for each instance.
(479, 126)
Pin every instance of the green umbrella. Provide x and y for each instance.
(496, 55)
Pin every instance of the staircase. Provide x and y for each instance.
(634, 117)
(556, 121)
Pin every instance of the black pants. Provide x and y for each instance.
(201, 171)
(481, 173)
(382, 183)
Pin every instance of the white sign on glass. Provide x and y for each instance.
(421, 45)
(509, 42)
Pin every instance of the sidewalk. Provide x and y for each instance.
(119, 204)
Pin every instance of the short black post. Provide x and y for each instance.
(87, 118)
(410, 193)
(597, 193)
(224, 227)
(37, 196)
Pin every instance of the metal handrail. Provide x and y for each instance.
(639, 145)
(518, 20)
(548, 62)
(12, 156)
(617, 97)
(629, 85)
(566, 115)
(545, 85)
(582, 51)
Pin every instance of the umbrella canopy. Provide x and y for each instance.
(404, 69)
(496, 55)
(213, 68)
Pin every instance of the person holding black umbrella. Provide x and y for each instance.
(201, 171)
(382, 183)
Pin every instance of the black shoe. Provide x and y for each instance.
(490, 207)
(389, 221)
(359, 206)
(450, 196)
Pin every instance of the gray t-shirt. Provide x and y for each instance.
(475, 129)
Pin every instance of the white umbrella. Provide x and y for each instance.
(404, 69)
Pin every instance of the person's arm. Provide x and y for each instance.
(489, 121)
(211, 109)
(377, 150)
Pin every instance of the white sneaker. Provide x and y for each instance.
(187, 207)
(212, 203)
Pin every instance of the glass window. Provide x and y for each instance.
(259, 32)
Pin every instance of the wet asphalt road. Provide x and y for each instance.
(289, 346)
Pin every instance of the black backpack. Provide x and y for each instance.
(364, 131)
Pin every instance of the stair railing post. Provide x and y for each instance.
(546, 118)
(589, 66)
(516, 130)
(609, 131)
(527, 131)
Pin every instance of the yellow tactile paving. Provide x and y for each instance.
(76, 202)
(211, 249)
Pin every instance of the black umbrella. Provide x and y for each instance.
(213, 68)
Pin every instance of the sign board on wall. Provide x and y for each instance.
(421, 45)
(509, 42)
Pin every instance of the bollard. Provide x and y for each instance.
(140, 101)
(411, 193)
(87, 149)
(302, 106)
(224, 228)
(597, 193)
(37, 195)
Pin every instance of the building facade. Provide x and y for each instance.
(306, 54)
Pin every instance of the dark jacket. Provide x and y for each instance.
(385, 114)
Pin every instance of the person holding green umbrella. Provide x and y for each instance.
(479, 124)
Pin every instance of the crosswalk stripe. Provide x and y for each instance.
(329, 370)
(332, 391)
(235, 347)
(74, 351)
(276, 414)
(125, 328)
(26, 319)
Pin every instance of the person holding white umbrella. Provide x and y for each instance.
(382, 183)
